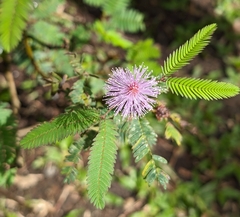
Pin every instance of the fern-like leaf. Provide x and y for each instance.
(188, 51)
(111, 7)
(74, 150)
(46, 9)
(48, 33)
(96, 3)
(77, 120)
(101, 163)
(152, 172)
(128, 20)
(172, 133)
(79, 93)
(13, 16)
(141, 137)
(199, 88)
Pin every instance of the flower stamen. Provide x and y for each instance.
(131, 93)
(133, 88)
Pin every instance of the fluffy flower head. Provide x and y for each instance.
(131, 93)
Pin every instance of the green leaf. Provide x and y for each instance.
(47, 33)
(151, 172)
(128, 20)
(46, 8)
(13, 17)
(141, 137)
(112, 7)
(172, 133)
(74, 151)
(199, 88)
(8, 145)
(150, 51)
(159, 159)
(188, 51)
(4, 114)
(96, 3)
(101, 163)
(147, 168)
(77, 94)
(111, 36)
(163, 179)
(77, 120)
(61, 62)
(74, 156)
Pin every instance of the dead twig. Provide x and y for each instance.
(63, 197)
(10, 195)
(11, 83)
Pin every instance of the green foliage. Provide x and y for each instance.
(74, 121)
(45, 31)
(50, 36)
(172, 133)
(135, 55)
(188, 51)
(152, 172)
(128, 20)
(46, 8)
(80, 36)
(74, 156)
(101, 163)
(150, 51)
(199, 88)
(96, 3)
(111, 7)
(229, 9)
(111, 36)
(190, 87)
(13, 17)
(141, 137)
(54, 61)
(119, 17)
(7, 145)
(78, 94)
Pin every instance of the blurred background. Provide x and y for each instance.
(64, 37)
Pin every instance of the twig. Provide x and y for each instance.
(31, 57)
(63, 197)
(11, 83)
(12, 196)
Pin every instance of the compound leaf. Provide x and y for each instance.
(152, 172)
(173, 133)
(96, 3)
(199, 88)
(13, 16)
(74, 150)
(69, 123)
(101, 163)
(189, 50)
(141, 137)
(128, 20)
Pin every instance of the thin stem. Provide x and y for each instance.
(11, 83)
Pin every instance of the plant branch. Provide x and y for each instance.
(31, 57)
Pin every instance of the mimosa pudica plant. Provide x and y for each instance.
(119, 120)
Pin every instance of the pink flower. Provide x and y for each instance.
(131, 93)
